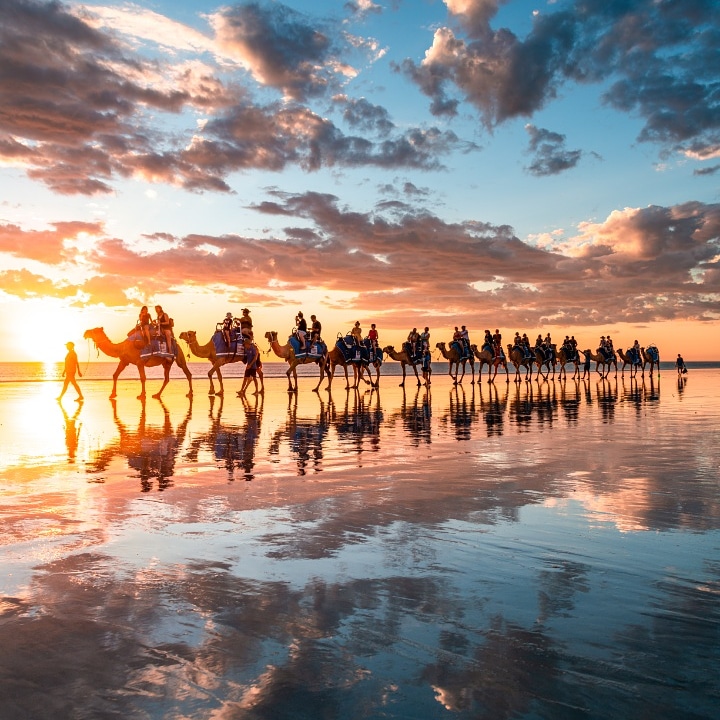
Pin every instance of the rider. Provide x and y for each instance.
(356, 333)
(246, 324)
(227, 326)
(373, 336)
(165, 325)
(465, 338)
(301, 324)
(144, 320)
(497, 342)
(315, 329)
(425, 339)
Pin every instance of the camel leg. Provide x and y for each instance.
(321, 364)
(215, 368)
(188, 375)
(166, 379)
(121, 366)
(288, 372)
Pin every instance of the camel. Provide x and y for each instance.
(208, 352)
(128, 354)
(518, 359)
(543, 361)
(563, 360)
(453, 358)
(601, 361)
(404, 360)
(335, 357)
(651, 356)
(287, 353)
(627, 360)
(492, 361)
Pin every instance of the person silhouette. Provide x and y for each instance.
(71, 367)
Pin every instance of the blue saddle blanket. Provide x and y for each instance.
(236, 348)
(156, 348)
(414, 352)
(461, 349)
(313, 350)
(653, 353)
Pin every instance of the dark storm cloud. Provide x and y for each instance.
(661, 56)
(550, 154)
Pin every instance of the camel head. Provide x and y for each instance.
(271, 336)
(389, 349)
(93, 333)
(440, 346)
(188, 336)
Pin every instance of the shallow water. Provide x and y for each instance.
(531, 550)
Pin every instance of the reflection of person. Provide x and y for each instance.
(71, 367)
(72, 432)
(680, 365)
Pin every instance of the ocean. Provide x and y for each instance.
(51, 372)
(542, 549)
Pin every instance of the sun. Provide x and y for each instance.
(41, 330)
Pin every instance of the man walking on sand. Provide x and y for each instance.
(71, 367)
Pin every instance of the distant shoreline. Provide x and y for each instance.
(95, 371)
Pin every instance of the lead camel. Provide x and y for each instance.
(128, 353)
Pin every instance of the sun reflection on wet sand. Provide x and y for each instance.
(477, 550)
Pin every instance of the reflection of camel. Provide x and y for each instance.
(485, 357)
(453, 358)
(518, 359)
(601, 361)
(151, 451)
(404, 360)
(208, 352)
(563, 359)
(493, 410)
(230, 444)
(416, 418)
(128, 354)
(287, 353)
(305, 437)
(461, 414)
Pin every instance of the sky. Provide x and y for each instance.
(534, 166)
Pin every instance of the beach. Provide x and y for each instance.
(526, 550)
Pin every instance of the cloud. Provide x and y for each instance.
(659, 57)
(551, 156)
(50, 246)
(81, 109)
(637, 265)
(280, 47)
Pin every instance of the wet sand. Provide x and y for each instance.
(532, 550)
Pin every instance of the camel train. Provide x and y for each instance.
(134, 350)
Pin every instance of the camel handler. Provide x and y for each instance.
(71, 367)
